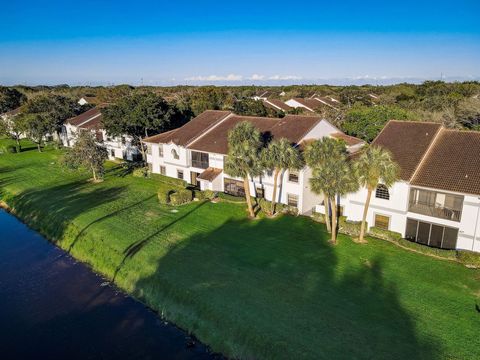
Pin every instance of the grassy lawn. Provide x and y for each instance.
(251, 289)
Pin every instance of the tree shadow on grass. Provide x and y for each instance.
(51, 210)
(276, 289)
(138, 245)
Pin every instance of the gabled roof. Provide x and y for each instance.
(452, 163)
(291, 127)
(309, 103)
(209, 174)
(408, 143)
(349, 140)
(276, 104)
(90, 119)
(191, 130)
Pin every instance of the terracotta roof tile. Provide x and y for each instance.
(209, 174)
(349, 140)
(292, 127)
(191, 130)
(84, 117)
(276, 104)
(452, 163)
(408, 142)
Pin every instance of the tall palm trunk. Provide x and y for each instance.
(94, 174)
(17, 140)
(274, 196)
(39, 147)
(334, 220)
(364, 218)
(142, 149)
(327, 213)
(246, 186)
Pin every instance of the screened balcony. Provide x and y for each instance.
(200, 160)
(436, 204)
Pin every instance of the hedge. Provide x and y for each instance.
(384, 234)
(181, 197)
(468, 258)
(164, 196)
(348, 227)
(140, 172)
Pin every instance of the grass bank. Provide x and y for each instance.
(270, 288)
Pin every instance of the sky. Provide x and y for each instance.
(265, 42)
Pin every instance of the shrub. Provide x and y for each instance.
(140, 172)
(209, 194)
(200, 195)
(164, 196)
(231, 198)
(446, 254)
(468, 258)
(265, 206)
(12, 149)
(318, 217)
(351, 228)
(287, 209)
(181, 197)
(384, 234)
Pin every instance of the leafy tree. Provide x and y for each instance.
(140, 115)
(10, 99)
(243, 159)
(53, 111)
(250, 107)
(86, 153)
(13, 128)
(279, 156)
(334, 177)
(36, 126)
(374, 165)
(318, 153)
(366, 122)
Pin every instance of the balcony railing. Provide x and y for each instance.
(436, 211)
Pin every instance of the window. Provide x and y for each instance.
(180, 174)
(382, 221)
(260, 192)
(434, 235)
(293, 176)
(112, 153)
(199, 160)
(292, 200)
(163, 171)
(233, 187)
(382, 192)
(124, 141)
(175, 154)
(149, 149)
(160, 150)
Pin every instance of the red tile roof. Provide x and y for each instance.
(309, 103)
(191, 130)
(349, 140)
(452, 163)
(408, 142)
(291, 127)
(209, 174)
(85, 118)
(276, 104)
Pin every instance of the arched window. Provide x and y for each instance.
(175, 154)
(382, 192)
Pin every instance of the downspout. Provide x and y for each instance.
(476, 226)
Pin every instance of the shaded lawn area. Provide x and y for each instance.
(252, 289)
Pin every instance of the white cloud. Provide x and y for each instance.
(257, 77)
(229, 77)
(284, 77)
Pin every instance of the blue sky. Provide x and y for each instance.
(244, 42)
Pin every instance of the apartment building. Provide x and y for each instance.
(119, 147)
(436, 202)
(196, 153)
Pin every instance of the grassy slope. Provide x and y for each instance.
(265, 288)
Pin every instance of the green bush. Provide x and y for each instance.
(209, 194)
(199, 195)
(351, 228)
(164, 196)
(265, 206)
(446, 254)
(140, 172)
(468, 258)
(12, 149)
(384, 234)
(231, 198)
(181, 197)
(318, 217)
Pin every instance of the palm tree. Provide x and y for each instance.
(374, 165)
(280, 155)
(334, 177)
(243, 159)
(317, 153)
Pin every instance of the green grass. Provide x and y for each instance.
(252, 289)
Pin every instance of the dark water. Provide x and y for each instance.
(52, 307)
